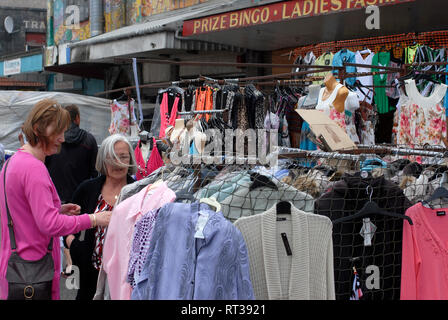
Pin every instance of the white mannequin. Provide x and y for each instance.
(312, 97)
(145, 147)
(179, 131)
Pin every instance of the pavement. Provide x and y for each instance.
(65, 284)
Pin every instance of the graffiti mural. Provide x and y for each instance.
(114, 14)
(151, 7)
(133, 11)
(64, 32)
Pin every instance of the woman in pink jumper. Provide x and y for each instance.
(33, 202)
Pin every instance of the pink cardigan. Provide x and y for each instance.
(424, 270)
(34, 205)
(117, 245)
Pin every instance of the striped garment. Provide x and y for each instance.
(99, 234)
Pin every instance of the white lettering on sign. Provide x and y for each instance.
(12, 67)
(32, 24)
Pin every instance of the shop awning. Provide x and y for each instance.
(157, 35)
(82, 69)
(289, 24)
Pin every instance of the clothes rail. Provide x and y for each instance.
(285, 153)
(424, 147)
(217, 64)
(202, 112)
(224, 81)
(155, 85)
(398, 151)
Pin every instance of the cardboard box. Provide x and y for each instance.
(327, 130)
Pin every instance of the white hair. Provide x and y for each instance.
(107, 151)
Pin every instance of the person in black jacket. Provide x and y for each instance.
(76, 160)
(115, 163)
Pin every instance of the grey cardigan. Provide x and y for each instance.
(243, 202)
(308, 273)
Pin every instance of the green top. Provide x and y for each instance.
(409, 53)
(381, 101)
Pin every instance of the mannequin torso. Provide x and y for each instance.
(145, 149)
(330, 85)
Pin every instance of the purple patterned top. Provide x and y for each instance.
(140, 245)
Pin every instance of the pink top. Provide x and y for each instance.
(155, 160)
(118, 240)
(34, 206)
(424, 270)
(167, 119)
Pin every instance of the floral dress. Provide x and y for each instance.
(120, 122)
(422, 120)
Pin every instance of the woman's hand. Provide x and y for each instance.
(70, 209)
(102, 218)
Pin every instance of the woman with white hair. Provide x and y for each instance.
(116, 163)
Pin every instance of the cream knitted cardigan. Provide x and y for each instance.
(311, 263)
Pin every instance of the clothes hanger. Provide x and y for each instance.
(372, 208)
(260, 181)
(439, 193)
(212, 203)
(283, 207)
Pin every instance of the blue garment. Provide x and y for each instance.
(446, 96)
(342, 56)
(182, 267)
(193, 149)
(307, 144)
(281, 174)
(370, 164)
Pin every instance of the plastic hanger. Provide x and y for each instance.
(260, 181)
(212, 203)
(439, 193)
(372, 208)
(284, 207)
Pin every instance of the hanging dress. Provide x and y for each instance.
(167, 118)
(381, 59)
(120, 119)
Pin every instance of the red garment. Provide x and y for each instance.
(424, 269)
(167, 119)
(155, 160)
(142, 170)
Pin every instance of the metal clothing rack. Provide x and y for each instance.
(202, 112)
(358, 154)
(397, 151)
(288, 153)
(342, 74)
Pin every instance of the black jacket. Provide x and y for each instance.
(81, 250)
(347, 197)
(74, 163)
